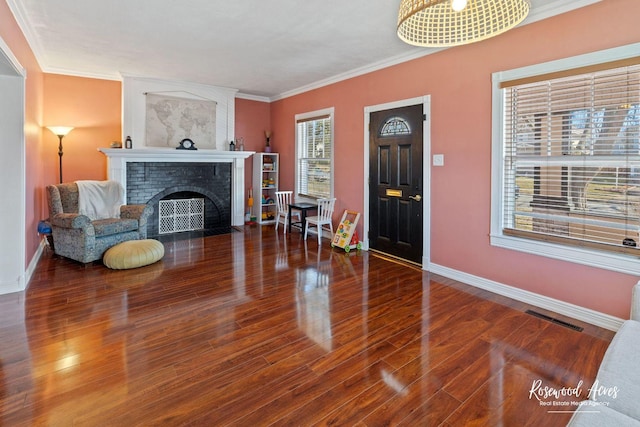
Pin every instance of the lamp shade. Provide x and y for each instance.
(60, 130)
(435, 23)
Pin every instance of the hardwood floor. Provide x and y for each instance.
(253, 328)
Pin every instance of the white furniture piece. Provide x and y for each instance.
(265, 178)
(283, 199)
(325, 211)
(620, 369)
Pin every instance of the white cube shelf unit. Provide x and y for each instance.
(265, 185)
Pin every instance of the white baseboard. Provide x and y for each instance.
(31, 268)
(22, 282)
(11, 287)
(570, 310)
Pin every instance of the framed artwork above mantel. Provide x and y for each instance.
(170, 118)
(161, 113)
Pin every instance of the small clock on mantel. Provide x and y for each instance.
(186, 144)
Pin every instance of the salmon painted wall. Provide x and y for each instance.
(459, 83)
(94, 108)
(34, 153)
(252, 118)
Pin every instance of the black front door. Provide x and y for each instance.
(396, 182)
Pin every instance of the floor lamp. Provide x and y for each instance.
(61, 132)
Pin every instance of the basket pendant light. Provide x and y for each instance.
(443, 23)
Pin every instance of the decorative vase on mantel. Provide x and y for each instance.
(267, 146)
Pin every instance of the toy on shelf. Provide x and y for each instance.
(346, 236)
(268, 183)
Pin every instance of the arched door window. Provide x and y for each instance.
(395, 126)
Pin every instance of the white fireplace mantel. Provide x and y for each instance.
(117, 159)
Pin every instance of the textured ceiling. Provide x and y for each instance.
(264, 48)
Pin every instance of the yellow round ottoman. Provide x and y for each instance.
(133, 254)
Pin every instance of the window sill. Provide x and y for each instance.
(589, 257)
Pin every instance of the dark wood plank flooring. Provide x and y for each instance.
(253, 328)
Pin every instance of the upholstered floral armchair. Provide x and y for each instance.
(80, 238)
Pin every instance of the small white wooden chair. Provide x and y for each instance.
(325, 211)
(283, 199)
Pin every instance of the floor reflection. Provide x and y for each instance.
(313, 298)
(282, 252)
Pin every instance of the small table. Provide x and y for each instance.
(303, 208)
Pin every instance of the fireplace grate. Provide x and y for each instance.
(178, 215)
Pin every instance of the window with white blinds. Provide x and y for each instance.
(314, 136)
(570, 159)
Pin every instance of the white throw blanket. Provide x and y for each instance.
(100, 199)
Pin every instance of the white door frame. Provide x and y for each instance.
(426, 170)
(12, 173)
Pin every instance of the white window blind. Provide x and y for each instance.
(314, 152)
(571, 172)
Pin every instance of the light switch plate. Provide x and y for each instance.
(438, 160)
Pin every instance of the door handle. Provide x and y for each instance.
(417, 197)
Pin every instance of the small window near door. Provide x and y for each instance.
(395, 126)
(314, 154)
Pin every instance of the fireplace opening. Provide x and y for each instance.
(180, 214)
(196, 196)
(191, 214)
(187, 211)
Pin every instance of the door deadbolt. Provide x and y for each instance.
(417, 197)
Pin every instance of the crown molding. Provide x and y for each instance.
(549, 10)
(84, 74)
(251, 97)
(20, 16)
(399, 59)
(228, 91)
(556, 7)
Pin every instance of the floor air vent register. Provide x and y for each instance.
(554, 320)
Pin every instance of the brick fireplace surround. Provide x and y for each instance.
(159, 172)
